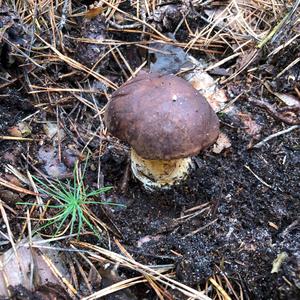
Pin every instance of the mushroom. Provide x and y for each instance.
(165, 121)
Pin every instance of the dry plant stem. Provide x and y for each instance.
(16, 188)
(220, 289)
(64, 282)
(144, 270)
(279, 133)
(15, 138)
(275, 31)
(200, 229)
(122, 27)
(159, 173)
(257, 177)
(157, 288)
(293, 63)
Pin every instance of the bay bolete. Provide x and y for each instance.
(165, 121)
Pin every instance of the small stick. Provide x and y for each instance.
(257, 177)
(123, 27)
(82, 273)
(64, 282)
(223, 61)
(200, 229)
(74, 275)
(291, 226)
(38, 197)
(293, 63)
(15, 138)
(279, 133)
(274, 31)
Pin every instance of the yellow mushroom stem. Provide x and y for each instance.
(159, 173)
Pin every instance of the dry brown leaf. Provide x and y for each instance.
(252, 128)
(207, 86)
(287, 99)
(93, 12)
(222, 143)
(20, 130)
(17, 267)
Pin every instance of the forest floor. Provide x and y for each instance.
(230, 231)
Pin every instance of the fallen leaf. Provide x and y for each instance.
(207, 86)
(168, 59)
(289, 100)
(147, 238)
(222, 143)
(51, 164)
(17, 267)
(14, 131)
(22, 129)
(252, 128)
(93, 12)
(52, 130)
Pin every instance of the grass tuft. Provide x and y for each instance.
(72, 200)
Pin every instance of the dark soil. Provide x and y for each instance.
(243, 223)
(240, 240)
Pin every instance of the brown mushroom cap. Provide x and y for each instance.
(162, 117)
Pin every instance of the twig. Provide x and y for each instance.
(122, 27)
(283, 45)
(230, 103)
(115, 287)
(156, 287)
(14, 246)
(261, 143)
(223, 61)
(163, 37)
(23, 53)
(293, 63)
(193, 215)
(200, 229)
(76, 65)
(228, 284)
(257, 177)
(250, 59)
(15, 138)
(82, 273)
(291, 226)
(276, 29)
(39, 200)
(125, 179)
(31, 265)
(143, 269)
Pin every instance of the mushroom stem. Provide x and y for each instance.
(159, 173)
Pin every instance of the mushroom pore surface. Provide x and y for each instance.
(162, 117)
